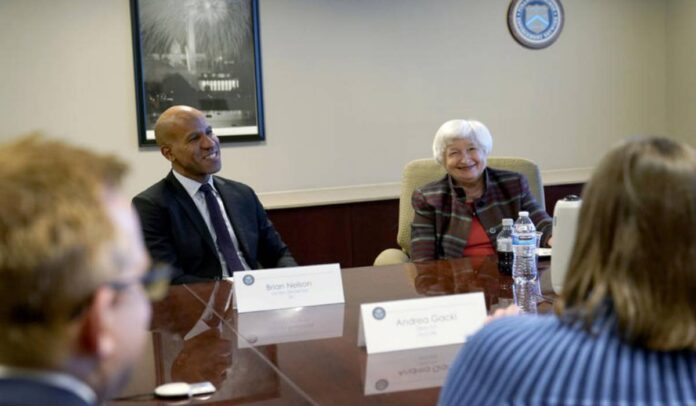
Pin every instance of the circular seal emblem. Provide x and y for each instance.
(535, 23)
(248, 280)
(381, 385)
(379, 313)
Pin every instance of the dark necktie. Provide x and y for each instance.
(224, 241)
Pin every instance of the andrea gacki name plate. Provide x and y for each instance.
(420, 323)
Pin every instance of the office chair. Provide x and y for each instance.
(422, 171)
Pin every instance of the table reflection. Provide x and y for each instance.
(290, 325)
(465, 275)
(195, 346)
(474, 274)
(527, 295)
(408, 370)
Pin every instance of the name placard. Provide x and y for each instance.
(282, 288)
(289, 325)
(398, 371)
(420, 323)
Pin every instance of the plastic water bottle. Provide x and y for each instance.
(504, 247)
(524, 264)
(525, 294)
(524, 248)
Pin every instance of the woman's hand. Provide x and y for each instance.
(511, 310)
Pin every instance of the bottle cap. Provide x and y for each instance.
(524, 214)
(571, 198)
(507, 222)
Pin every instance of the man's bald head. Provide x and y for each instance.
(167, 125)
(187, 141)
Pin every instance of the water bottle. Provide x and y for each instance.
(525, 294)
(504, 247)
(524, 264)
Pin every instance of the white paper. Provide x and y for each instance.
(282, 288)
(422, 322)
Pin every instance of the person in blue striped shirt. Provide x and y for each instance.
(624, 328)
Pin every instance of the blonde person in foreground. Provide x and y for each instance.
(73, 308)
(624, 329)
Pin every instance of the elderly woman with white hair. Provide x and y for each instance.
(461, 214)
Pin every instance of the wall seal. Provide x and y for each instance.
(535, 24)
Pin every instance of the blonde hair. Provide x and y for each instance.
(54, 240)
(635, 246)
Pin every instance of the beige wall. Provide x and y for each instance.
(356, 88)
(681, 69)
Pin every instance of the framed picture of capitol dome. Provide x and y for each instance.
(200, 53)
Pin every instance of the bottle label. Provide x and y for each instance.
(504, 244)
(523, 240)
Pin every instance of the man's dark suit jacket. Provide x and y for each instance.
(24, 392)
(176, 233)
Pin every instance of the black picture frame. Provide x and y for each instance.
(200, 53)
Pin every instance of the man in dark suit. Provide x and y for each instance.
(73, 305)
(206, 226)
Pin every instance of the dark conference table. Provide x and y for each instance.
(308, 355)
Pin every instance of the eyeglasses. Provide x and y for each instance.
(155, 282)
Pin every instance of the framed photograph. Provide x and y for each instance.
(200, 53)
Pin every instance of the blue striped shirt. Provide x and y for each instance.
(539, 360)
